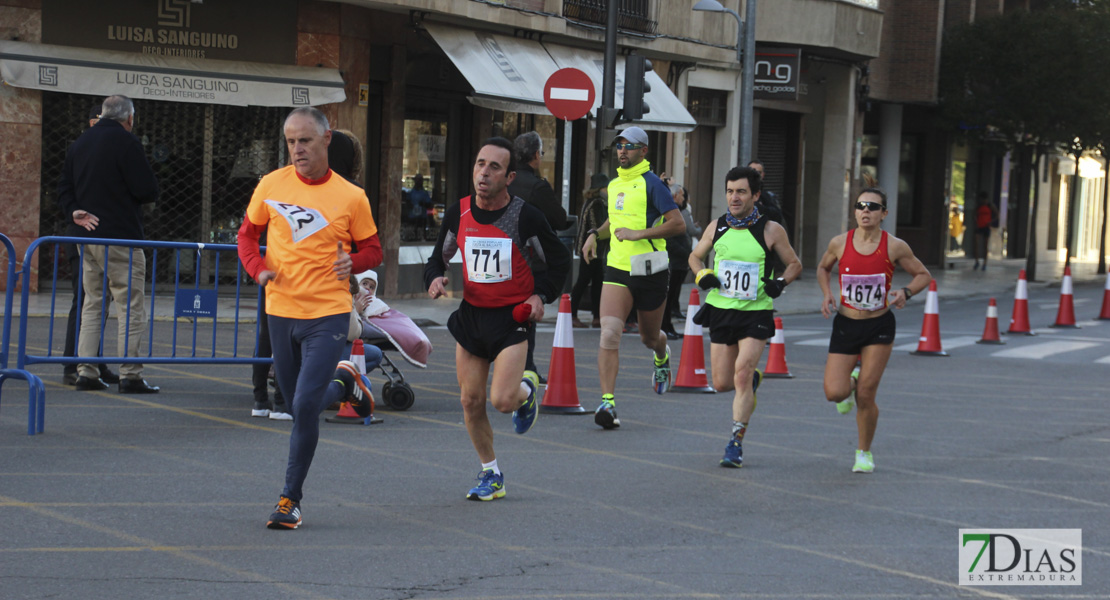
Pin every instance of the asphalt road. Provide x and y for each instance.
(167, 496)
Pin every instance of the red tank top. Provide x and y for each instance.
(496, 272)
(865, 278)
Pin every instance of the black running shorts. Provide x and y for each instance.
(485, 332)
(728, 327)
(649, 292)
(849, 336)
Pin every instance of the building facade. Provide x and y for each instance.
(420, 83)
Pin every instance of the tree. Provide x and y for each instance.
(1031, 79)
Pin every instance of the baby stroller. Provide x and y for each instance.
(396, 393)
(390, 330)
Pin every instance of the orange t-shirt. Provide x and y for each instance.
(303, 223)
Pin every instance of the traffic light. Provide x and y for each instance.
(635, 86)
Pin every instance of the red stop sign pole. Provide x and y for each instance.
(569, 94)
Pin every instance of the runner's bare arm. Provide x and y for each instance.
(824, 271)
(902, 255)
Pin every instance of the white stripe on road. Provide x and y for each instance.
(1105, 360)
(1043, 350)
(945, 344)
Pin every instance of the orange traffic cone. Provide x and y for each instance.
(691, 366)
(990, 331)
(1105, 314)
(929, 342)
(776, 357)
(561, 396)
(1019, 320)
(347, 414)
(1065, 315)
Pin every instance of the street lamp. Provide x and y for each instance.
(745, 55)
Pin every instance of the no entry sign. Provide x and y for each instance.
(569, 94)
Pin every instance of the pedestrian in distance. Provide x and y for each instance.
(864, 326)
(641, 216)
(742, 285)
(513, 264)
(985, 218)
(105, 181)
(311, 217)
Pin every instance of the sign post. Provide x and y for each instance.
(569, 95)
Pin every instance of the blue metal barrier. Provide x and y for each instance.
(36, 392)
(192, 304)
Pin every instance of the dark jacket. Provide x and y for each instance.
(536, 191)
(107, 174)
(769, 205)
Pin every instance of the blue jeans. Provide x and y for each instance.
(306, 352)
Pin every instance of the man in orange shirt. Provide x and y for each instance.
(313, 217)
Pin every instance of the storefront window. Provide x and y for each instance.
(424, 185)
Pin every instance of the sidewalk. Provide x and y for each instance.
(802, 296)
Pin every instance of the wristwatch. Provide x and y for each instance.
(591, 231)
(906, 292)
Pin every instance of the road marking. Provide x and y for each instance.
(950, 343)
(1105, 360)
(1043, 350)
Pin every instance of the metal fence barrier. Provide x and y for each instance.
(36, 394)
(197, 277)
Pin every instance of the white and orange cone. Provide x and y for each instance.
(776, 356)
(1019, 319)
(691, 376)
(929, 342)
(1065, 314)
(1105, 313)
(990, 330)
(347, 414)
(561, 396)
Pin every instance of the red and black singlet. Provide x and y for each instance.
(495, 272)
(865, 278)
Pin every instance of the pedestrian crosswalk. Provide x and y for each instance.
(1049, 344)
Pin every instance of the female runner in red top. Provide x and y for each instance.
(864, 325)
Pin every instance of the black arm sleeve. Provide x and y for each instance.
(437, 264)
(550, 272)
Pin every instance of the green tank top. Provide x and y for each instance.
(740, 262)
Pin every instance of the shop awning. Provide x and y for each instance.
(667, 111)
(509, 73)
(506, 73)
(153, 77)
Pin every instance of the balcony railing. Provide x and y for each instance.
(632, 15)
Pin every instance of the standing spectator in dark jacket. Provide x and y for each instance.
(105, 181)
(73, 258)
(590, 274)
(768, 202)
(532, 188)
(535, 190)
(678, 255)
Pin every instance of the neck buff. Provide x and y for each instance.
(746, 221)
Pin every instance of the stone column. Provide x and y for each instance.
(21, 138)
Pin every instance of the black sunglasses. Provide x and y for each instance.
(871, 206)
